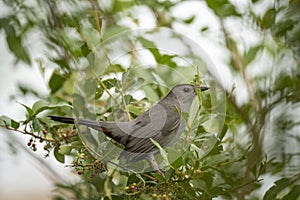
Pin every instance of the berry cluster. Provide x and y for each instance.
(92, 169)
(162, 193)
(131, 188)
(32, 144)
(162, 196)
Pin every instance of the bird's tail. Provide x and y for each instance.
(66, 120)
(70, 120)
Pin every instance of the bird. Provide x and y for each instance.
(162, 123)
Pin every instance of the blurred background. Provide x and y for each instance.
(254, 45)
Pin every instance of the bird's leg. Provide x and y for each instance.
(151, 160)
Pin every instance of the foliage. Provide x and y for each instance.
(252, 138)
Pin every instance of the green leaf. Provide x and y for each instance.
(14, 124)
(167, 60)
(129, 80)
(26, 90)
(29, 110)
(209, 145)
(222, 8)
(184, 115)
(120, 5)
(203, 29)
(199, 183)
(283, 27)
(78, 103)
(133, 179)
(197, 150)
(99, 92)
(90, 86)
(114, 68)
(112, 31)
(8, 122)
(251, 54)
(85, 50)
(61, 62)
(278, 187)
(90, 34)
(189, 20)
(134, 110)
(208, 177)
(72, 43)
(65, 150)
(293, 194)
(159, 177)
(223, 132)
(58, 156)
(174, 158)
(284, 81)
(112, 82)
(43, 105)
(77, 144)
(37, 126)
(4, 22)
(15, 44)
(107, 188)
(39, 106)
(150, 46)
(268, 19)
(160, 59)
(42, 68)
(163, 153)
(56, 81)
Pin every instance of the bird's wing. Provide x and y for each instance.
(150, 123)
(119, 131)
(156, 124)
(139, 148)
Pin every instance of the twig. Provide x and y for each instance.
(42, 165)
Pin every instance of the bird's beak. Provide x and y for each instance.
(202, 88)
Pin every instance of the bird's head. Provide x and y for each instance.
(185, 93)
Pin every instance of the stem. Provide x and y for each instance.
(124, 104)
(25, 132)
(239, 64)
(47, 170)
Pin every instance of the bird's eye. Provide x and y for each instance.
(186, 89)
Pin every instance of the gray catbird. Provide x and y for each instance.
(163, 123)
